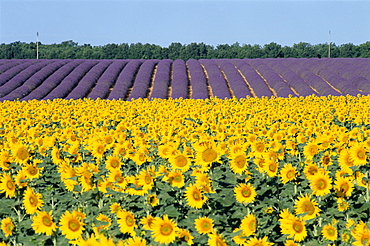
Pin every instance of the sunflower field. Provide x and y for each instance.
(249, 171)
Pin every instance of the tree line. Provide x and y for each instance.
(72, 50)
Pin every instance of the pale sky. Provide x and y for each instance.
(161, 22)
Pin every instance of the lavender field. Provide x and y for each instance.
(27, 79)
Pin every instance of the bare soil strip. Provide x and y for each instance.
(227, 83)
(295, 92)
(329, 84)
(270, 88)
(246, 82)
(151, 84)
(209, 88)
(169, 90)
(190, 88)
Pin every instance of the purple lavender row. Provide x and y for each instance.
(274, 80)
(198, 80)
(343, 85)
(14, 71)
(88, 81)
(7, 64)
(257, 84)
(125, 80)
(34, 81)
(162, 79)
(309, 77)
(51, 82)
(180, 82)
(107, 80)
(71, 80)
(21, 77)
(236, 81)
(348, 72)
(143, 80)
(362, 67)
(216, 79)
(296, 82)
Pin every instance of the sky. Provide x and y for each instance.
(162, 22)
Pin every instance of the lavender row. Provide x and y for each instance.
(21, 77)
(162, 79)
(180, 82)
(281, 88)
(216, 79)
(107, 80)
(51, 82)
(198, 80)
(236, 81)
(71, 80)
(88, 81)
(7, 64)
(256, 82)
(344, 86)
(296, 82)
(143, 80)
(313, 80)
(125, 80)
(34, 81)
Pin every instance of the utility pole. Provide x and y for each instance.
(37, 46)
(329, 46)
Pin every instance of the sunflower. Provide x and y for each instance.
(258, 242)
(344, 186)
(20, 153)
(342, 204)
(358, 154)
(43, 223)
(115, 208)
(106, 223)
(306, 205)
(204, 225)
(184, 235)
(216, 239)
(98, 150)
(361, 234)
(7, 185)
(127, 222)
(258, 148)
(176, 179)
(194, 196)
(310, 170)
(56, 156)
(145, 180)
(245, 193)
(238, 162)
(329, 232)
(345, 161)
(164, 230)
(32, 201)
(271, 167)
(293, 226)
(113, 163)
(288, 173)
(320, 184)
(206, 153)
(147, 222)
(290, 243)
(5, 160)
(134, 241)
(152, 200)
(71, 224)
(179, 161)
(7, 226)
(32, 171)
(249, 225)
(310, 150)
